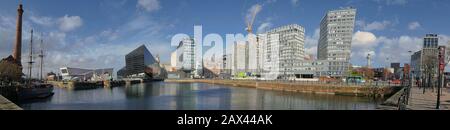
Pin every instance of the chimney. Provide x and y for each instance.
(17, 52)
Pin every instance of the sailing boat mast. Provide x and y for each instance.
(41, 55)
(30, 63)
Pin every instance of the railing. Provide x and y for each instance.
(403, 101)
(334, 83)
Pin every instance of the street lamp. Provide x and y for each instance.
(411, 75)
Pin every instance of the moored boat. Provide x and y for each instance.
(35, 91)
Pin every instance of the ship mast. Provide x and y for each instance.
(41, 55)
(30, 63)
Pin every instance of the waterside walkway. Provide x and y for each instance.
(427, 101)
(5, 104)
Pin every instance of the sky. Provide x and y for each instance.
(98, 33)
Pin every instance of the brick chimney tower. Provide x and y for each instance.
(17, 52)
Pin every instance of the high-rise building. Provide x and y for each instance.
(430, 52)
(427, 58)
(184, 57)
(336, 32)
(284, 51)
(430, 41)
(240, 58)
(138, 64)
(416, 62)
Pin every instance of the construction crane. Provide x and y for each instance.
(250, 20)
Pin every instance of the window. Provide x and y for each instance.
(64, 71)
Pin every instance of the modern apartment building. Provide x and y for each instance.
(284, 51)
(336, 33)
(184, 58)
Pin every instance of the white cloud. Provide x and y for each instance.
(363, 43)
(149, 5)
(397, 49)
(311, 51)
(364, 39)
(414, 25)
(69, 23)
(110, 34)
(264, 27)
(45, 21)
(376, 25)
(396, 2)
(253, 11)
(311, 43)
(393, 2)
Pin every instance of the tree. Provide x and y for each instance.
(430, 64)
(365, 72)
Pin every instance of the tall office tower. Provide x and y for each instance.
(284, 50)
(240, 57)
(430, 51)
(431, 41)
(186, 55)
(336, 32)
(261, 40)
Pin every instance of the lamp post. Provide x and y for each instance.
(411, 80)
(441, 72)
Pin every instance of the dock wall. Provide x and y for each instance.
(303, 87)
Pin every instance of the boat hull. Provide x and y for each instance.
(35, 92)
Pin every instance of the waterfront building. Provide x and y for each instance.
(397, 68)
(383, 73)
(312, 69)
(173, 61)
(416, 62)
(184, 58)
(284, 51)
(78, 74)
(336, 32)
(186, 55)
(427, 57)
(240, 58)
(261, 40)
(213, 64)
(139, 63)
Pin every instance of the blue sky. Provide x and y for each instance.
(98, 33)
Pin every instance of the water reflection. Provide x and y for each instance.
(195, 96)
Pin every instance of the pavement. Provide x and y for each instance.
(5, 104)
(427, 101)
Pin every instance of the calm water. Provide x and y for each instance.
(196, 96)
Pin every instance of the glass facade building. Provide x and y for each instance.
(137, 63)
